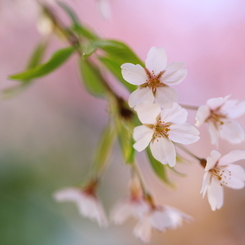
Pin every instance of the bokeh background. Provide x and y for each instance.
(48, 133)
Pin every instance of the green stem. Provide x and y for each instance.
(189, 107)
(188, 152)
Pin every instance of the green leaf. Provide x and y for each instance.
(56, 60)
(103, 151)
(159, 169)
(115, 68)
(118, 51)
(92, 78)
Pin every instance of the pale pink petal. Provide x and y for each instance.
(134, 74)
(213, 133)
(67, 195)
(140, 95)
(205, 183)
(231, 157)
(160, 220)
(233, 108)
(233, 176)
(164, 151)
(212, 160)
(175, 114)
(215, 194)
(166, 96)
(215, 103)
(148, 112)
(203, 113)
(177, 217)
(143, 229)
(156, 60)
(183, 133)
(104, 8)
(142, 135)
(232, 132)
(174, 73)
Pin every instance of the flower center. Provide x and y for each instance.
(222, 174)
(153, 81)
(217, 118)
(161, 129)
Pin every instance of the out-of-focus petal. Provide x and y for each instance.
(140, 95)
(160, 220)
(232, 132)
(233, 108)
(164, 151)
(67, 195)
(143, 229)
(215, 194)
(203, 113)
(166, 96)
(231, 157)
(183, 133)
(212, 160)
(213, 133)
(174, 73)
(175, 114)
(217, 102)
(134, 74)
(148, 112)
(142, 135)
(156, 60)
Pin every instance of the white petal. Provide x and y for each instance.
(140, 95)
(213, 133)
(156, 60)
(104, 8)
(215, 194)
(232, 132)
(183, 133)
(143, 229)
(166, 96)
(142, 135)
(160, 220)
(134, 74)
(212, 160)
(217, 102)
(67, 194)
(234, 176)
(148, 112)
(176, 114)
(174, 73)
(203, 113)
(205, 183)
(231, 157)
(233, 108)
(164, 151)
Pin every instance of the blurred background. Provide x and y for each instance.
(48, 133)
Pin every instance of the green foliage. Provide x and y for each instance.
(159, 169)
(56, 60)
(91, 78)
(115, 68)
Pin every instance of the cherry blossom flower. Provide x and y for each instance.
(160, 218)
(218, 113)
(132, 206)
(87, 203)
(104, 8)
(161, 129)
(155, 79)
(219, 172)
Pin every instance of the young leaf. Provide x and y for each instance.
(91, 78)
(115, 68)
(118, 51)
(159, 169)
(57, 59)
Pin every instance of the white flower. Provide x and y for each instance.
(218, 113)
(220, 171)
(132, 206)
(161, 219)
(155, 80)
(87, 203)
(160, 128)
